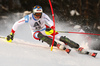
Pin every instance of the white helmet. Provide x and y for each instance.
(37, 10)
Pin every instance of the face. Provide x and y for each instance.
(37, 15)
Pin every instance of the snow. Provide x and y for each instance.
(22, 53)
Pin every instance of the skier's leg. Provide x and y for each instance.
(41, 35)
(49, 41)
(72, 44)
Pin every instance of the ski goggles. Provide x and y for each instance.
(38, 14)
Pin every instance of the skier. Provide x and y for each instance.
(40, 31)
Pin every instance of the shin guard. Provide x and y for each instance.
(71, 43)
(46, 39)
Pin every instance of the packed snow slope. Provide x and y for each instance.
(22, 53)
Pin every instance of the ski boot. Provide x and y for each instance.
(82, 50)
(62, 47)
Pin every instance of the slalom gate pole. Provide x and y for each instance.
(78, 33)
(53, 24)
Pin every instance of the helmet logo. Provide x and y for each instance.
(38, 7)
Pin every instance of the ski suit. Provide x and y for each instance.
(39, 25)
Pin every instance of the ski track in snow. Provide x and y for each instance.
(22, 53)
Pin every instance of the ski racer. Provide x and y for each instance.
(41, 31)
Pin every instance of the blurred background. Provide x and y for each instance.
(85, 13)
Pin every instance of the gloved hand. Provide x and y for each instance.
(49, 31)
(49, 28)
(10, 37)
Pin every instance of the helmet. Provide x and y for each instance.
(37, 10)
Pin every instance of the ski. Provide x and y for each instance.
(83, 51)
(80, 50)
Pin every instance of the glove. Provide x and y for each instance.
(49, 31)
(10, 37)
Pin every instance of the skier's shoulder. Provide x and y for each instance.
(27, 17)
(44, 14)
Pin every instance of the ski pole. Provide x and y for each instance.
(2, 37)
(6, 39)
(78, 33)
